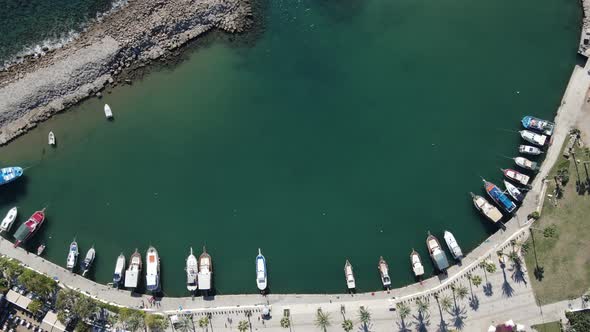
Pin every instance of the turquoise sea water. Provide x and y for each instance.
(346, 130)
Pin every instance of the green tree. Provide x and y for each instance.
(461, 291)
(84, 308)
(364, 317)
(347, 325)
(243, 326)
(285, 322)
(489, 267)
(35, 306)
(156, 323)
(476, 280)
(204, 322)
(10, 270)
(422, 305)
(514, 258)
(578, 321)
(185, 324)
(322, 320)
(403, 310)
(81, 327)
(37, 283)
(132, 320)
(445, 303)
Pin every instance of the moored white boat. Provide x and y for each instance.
(261, 277)
(134, 270)
(486, 208)
(453, 245)
(51, 138)
(205, 274)
(436, 253)
(119, 270)
(349, 275)
(516, 176)
(534, 138)
(8, 220)
(107, 111)
(514, 191)
(40, 249)
(192, 269)
(532, 150)
(416, 262)
(88, 260)
(526, 164)
(152, 270)
(384, 272)
(72, 256)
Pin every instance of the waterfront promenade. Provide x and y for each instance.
(521, 305)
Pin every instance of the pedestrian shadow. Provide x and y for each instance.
(507, 289)
(474, 302)
(459, 315)
(422, 322)
(488, 289)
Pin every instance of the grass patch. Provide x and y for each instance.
(557, 259)
(548, 327)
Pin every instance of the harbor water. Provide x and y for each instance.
(341, 130)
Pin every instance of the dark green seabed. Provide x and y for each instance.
(348, 129)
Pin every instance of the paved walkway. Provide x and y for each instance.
(520, 307)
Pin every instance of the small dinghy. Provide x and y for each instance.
(51, 138)
(416, 264)
(526, 164)
(486, 208)
(350, 283)
(533, 138)
(527, 149)
(40, 249)
(87, 263)
(384, 272)
(72, 256)
(8, 220)
(516, 176)
(513, 191)
(453, 245)
(107, 111)
(543, 126)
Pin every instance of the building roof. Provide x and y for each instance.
(18, 300)
(50, 323)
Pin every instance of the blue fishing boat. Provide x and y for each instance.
(10, 174)
(499, 197)
(540, 125)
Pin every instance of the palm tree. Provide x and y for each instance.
(285, 322)
(422, 306)
(347, 325)
(243, 326)
(514, 258)
(461, 291)
(185, 324)
(365, 317)
(322, 320)
(403, 310)
(445, 303)
(204, 322)
(476, 280)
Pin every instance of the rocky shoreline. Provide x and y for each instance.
(133, 36)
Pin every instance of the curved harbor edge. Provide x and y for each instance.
(516, 228)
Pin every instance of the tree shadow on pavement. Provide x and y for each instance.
(474, 302)
(459, 315)
(422, 322)
(488, 289)
(442, 326)
(402, 327)
(507, 289)
(518, 275)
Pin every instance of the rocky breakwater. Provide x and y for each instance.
(134, 35)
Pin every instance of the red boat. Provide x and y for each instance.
(29, 227)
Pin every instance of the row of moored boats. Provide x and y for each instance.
(437, 254)
(536, 132)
